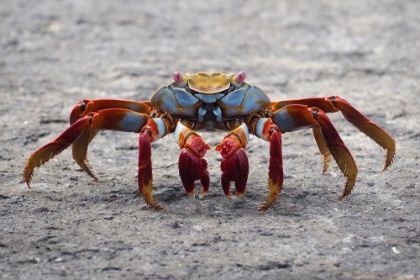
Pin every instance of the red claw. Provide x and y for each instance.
(191, 164)
(192, 168)
(235, 166)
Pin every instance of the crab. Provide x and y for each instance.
(214, 102)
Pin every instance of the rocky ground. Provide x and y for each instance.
(55, 53)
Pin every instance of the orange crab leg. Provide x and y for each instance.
(84, 107)
(235, 166)
(335, 104)
(191, 164)
(294, 117)
(155, 129)
(111, 119)
(322, 146)
(87, 106)
(266, 129)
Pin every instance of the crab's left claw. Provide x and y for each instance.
(235, 166)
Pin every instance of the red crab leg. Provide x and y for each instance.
(335, 104)
(155, 129)
(294, 117)
(266, 129)
(192, 165)
(111, 119)
(322, 146)
(84, 107)
(235, 166)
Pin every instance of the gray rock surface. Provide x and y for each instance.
(55, 53)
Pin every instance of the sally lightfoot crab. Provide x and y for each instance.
(210, 102)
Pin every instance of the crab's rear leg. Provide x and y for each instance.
(235, 165)
(191, 164)
(295, 117)
(322, 146)
(110, 119)
(84, 107)
(335, 104)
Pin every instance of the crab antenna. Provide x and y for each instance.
(241, 77)
(177, 77)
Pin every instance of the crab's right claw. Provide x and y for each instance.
(192, 166)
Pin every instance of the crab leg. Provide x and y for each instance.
(266, 129)
(235, 166)
(110, 119)
(191, 164)
(84, 107)
(335, 104)
(155, 129)
(322, 146)
(295, 117)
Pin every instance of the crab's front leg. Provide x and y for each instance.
(267, 130)
(155, 129)
(192, 165)
(235, 165)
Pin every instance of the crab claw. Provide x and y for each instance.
(235, 166)
(192, 168)
(191, 164)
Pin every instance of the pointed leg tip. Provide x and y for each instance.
(239, 193)
(344, 195)
(262, 209)
(158, 207)
(27, 178)
(389, 159)
(202, 195)
(231, 197)
(191, 194)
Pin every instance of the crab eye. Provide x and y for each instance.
(177, 78)
(241, 77)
